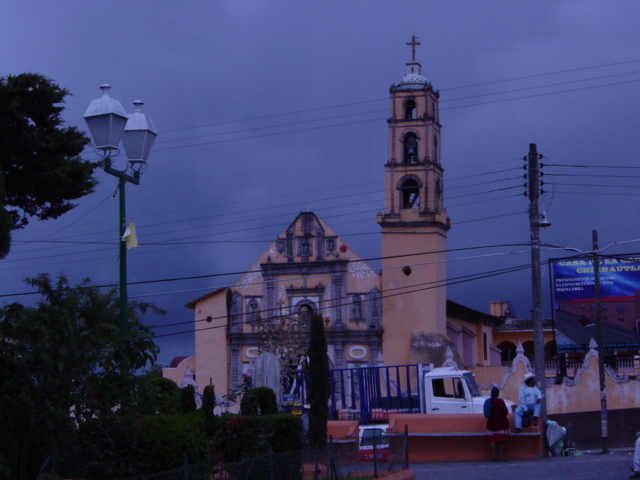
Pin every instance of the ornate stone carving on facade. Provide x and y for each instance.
(189, 379)
(519, 358)
(285, 336)
(448, 359)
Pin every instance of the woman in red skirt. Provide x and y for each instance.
(497, 426)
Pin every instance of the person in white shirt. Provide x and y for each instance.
(530, 400)
(636, 458)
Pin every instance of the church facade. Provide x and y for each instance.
(370, 317)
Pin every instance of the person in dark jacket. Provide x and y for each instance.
(497, 426)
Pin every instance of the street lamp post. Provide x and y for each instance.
(109, 123)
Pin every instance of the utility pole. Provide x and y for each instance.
(600, 341)
(536, 282)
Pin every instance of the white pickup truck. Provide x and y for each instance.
(370, 394)
(446, 390)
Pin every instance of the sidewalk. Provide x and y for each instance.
(594, 465)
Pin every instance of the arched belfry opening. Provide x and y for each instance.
(410, 148)
(410, 194)
(410, 109)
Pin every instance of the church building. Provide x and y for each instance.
(397, 316)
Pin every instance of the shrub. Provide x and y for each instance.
(188, 399)
(105, 448)
(259, 401)
(168, 437)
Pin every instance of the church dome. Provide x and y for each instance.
(412, 80)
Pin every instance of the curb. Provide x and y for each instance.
(401, 475)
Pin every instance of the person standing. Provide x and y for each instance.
(497, 426)
(636, 458)
(530, 400)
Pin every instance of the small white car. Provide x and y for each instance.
(368, 435)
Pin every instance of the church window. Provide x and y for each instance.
(331, 244)
(235, 312)
(410, 109)
(410, 194)
(356, 308)
(435, 148)
(305, 247)
(252, 310)
(374, 307)
(304, 313)
(410, 148)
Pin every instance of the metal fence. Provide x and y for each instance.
(338, 460)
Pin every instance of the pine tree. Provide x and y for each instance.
(319, 386)
(39, 154)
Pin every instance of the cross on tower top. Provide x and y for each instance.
(413, 44)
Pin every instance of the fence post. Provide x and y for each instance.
(185, 467)
(316, 470)
(333, 471)
(405, 453)
(271, 475)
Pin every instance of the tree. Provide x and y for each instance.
(59, 363)
(188, 399)
(319, 386)
(39, 155)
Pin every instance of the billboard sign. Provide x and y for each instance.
(573, 279)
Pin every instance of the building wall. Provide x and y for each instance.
(411, 303)
(212, 355)
(177, 373)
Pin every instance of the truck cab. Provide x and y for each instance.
(447, 390)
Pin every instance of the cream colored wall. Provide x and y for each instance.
(212, 360)
(422, 307)
(582, 394)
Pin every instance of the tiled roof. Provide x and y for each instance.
(522, 325)
(456, 310)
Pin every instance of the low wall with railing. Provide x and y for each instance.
(578, 393)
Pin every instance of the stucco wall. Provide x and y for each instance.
(580, 394)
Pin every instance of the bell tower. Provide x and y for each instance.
(414, 224)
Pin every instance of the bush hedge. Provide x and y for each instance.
(259, 401)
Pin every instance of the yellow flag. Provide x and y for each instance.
(130, 237)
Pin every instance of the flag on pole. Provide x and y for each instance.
(130, 237)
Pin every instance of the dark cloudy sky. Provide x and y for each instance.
(265, 108)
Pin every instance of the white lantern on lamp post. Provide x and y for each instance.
(109, 123)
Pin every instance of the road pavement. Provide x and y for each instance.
(595, 465)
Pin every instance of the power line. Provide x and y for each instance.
(425, 286)
(380, 119)
(215, 275)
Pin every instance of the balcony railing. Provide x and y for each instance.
(622, 366)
